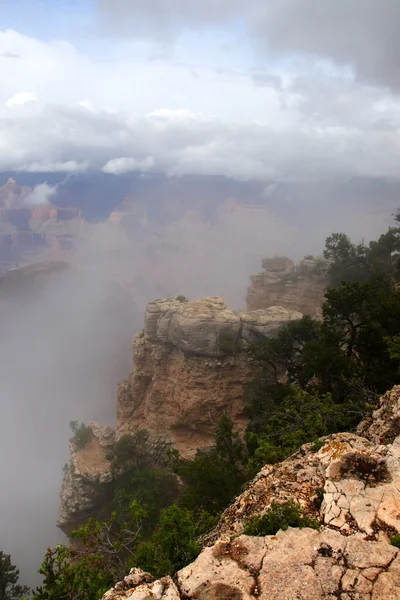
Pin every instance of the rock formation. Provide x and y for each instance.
(86, 478)
(351, 485)
(359, 480)
(190, 366)
(295, 287)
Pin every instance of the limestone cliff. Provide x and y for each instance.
(190, 366)
(295, 287)
(355, 477)
(85, 478)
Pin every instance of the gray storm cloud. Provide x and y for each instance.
(361, 34)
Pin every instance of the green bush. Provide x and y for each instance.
(10, 589)
(153, 488)
(227, 342)
(139, 451)
(395, 540)
(82, 434)
(317, 445)
(285, 423)
(173, 545)
(214, 477)
(279, 516)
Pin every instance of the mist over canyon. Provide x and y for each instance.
(66, 338)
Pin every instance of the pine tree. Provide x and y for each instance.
(9, 575)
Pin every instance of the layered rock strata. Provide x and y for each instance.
(190, 366)
(295, 287)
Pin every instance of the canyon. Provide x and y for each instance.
(30, 231)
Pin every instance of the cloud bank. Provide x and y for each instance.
(62, 109)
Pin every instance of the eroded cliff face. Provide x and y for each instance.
(295, 287)
(357, 478)
(86, 478)
(190, 366)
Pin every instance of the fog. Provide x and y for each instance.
(62, 352)
(64, 347)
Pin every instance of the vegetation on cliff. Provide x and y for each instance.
(10, 589)
(323, 376)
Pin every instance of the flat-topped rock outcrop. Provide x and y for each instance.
(190, 366)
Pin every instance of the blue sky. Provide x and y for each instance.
(47, 19)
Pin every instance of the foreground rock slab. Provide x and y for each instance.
(293, 565)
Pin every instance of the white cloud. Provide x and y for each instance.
(116, 166)
(66, 138)
(69, 166)
(21, 98)
(40, 194)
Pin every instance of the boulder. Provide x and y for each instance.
(199, 327)
(278, 264)
(265, 323)
(297, 564)
(139, 585)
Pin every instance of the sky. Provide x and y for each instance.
(255, 90)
